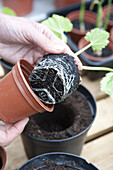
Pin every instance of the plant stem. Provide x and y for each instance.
(81, 18)
(83, 49)
(99, 15)
(108, 14)
(97, 68)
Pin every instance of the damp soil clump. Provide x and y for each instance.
(69, 118)
(54, 78)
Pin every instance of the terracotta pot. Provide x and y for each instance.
(21, 7)
(2, 158)
(110, 22)
(82, 43)
(89, 17)
(64, 3)
(17, 98)
(111, 35)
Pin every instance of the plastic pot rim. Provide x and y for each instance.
(75, 136)
(6, 64)
(57, 153)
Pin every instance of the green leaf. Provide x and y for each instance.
(98, 38)
(107, 83)
(8, 11)
(59, 24)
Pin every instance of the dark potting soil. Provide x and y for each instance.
(111, 17)
(105, 52)
(51, 165)
(88, 26)
(68, 119)
(0, 163)
(54, 78)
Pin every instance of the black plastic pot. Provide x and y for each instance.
(36, 146)
(6, 66)
(66, 159)
(92, 75)
(2, 158)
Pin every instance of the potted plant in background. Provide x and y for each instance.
(83, 21)
(105, 13)
(2, 158)
(21, 7)
(58, 160)
(107, 52)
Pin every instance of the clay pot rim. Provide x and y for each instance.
(4, 154)
(75, 136)
(90, 57)
(46, 107)
(87, 16)
(104, 11)
(111, 35)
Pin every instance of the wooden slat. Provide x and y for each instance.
(100, 152)
(104, 119)
(15, 154)
(94, 87)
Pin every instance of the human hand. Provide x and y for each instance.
(9, 132)
(24, 38)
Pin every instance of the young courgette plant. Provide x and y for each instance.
(98, 39)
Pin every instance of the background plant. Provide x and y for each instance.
(99, 21)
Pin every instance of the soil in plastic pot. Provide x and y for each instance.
(88, 26)
(57, 161)
(105, 52)
(111, 17)
(51, 165)
(69, 118)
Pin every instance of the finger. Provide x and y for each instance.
(5, 127)
(76, 59)
(8, 136)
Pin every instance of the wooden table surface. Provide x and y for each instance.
(98, 148)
